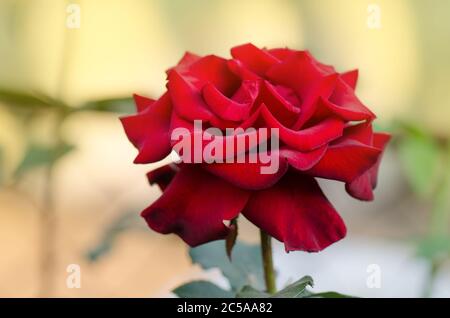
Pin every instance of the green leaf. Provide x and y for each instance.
(30, 100)
(329, 294)
(440, 218)
(420, 159)
(40, 155)
(113, 105)
(124, 222)
(434, 247)
(21, 98)
(201, 289)
(387, 127)
(245, 268)
(295, 290)
(250, 292)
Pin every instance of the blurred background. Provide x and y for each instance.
(69, 193)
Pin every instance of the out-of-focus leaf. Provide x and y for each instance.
(123, 223)
(420, 159)
(329, 294)
(388, 127)
(101, 249)
(434, 247)
(114, 105)
(295, 290)
(245, 269)
(1, 166)
(20, 98)
(30, 100)
(440, 219)
(202, 289)
(40, 155)
(250, 292)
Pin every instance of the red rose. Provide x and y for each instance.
(324, 131)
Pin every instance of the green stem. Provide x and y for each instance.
(48, 214)
(429, 285)
(47, 227)
(269, 273)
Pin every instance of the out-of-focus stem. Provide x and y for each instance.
(47, 237)
(429, 284)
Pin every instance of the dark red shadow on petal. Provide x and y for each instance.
(194, 206)
(213, 69)
(280, 107)
(249, 175)
(306, 139)
(225, 107)
(346, 104)
(296, 212)
(300, 71)
(310, 106)
(362, 187)
(162, 176)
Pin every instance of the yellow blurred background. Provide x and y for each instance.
(121, 47)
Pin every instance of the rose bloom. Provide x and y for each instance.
(324, 131)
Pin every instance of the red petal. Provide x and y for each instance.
(162, 176)
(223, 106)
(307, 139)
(360, 132)
(350, 78)
(282, 109)
(200, 138)
(245, 95)
(194, 206)
(247, 92)
(238, 68)
(361, 188)
(248, 175)
(255, 59)
(303, 160)
(380, 140)
(148, 130)
(213, 69)
(281, 54)
(344, 103)
(310, 106)
(142, 103)
(186, 61)
(300, 71)
(187, 99)
(345, 161)
(296, 212)
(289, 95)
